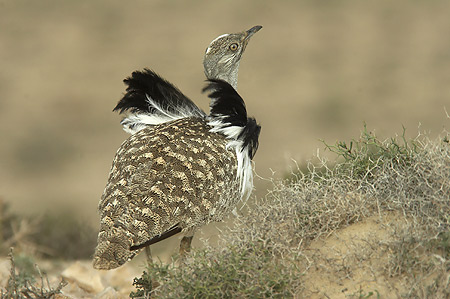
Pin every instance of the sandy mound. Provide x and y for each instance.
(351, 262)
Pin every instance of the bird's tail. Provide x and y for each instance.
(151, 100)
(113, 249)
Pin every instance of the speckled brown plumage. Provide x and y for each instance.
(176, 174)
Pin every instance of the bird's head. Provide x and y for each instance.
(224, 53)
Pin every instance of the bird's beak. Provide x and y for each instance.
(252, 31)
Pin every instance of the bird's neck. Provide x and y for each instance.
(229, 75)
(231, 78)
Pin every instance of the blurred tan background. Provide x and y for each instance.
(317, 70)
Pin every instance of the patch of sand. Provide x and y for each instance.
(351, 262)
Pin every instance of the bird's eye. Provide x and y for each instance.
(234, 47)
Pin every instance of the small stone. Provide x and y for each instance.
(109, 293)
(84, 276)
(5, 271)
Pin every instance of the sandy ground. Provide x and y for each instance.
(317, 70)
(347, 264)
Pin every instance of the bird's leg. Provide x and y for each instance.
(148, 254)
(185, 244)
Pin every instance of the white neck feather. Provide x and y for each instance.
(244, 169)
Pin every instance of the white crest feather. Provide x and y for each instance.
(135, 122)
(217, 38)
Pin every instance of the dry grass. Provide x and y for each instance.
(268, 251)
(22, 282)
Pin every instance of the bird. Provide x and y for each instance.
(181, 168)
(221, 61)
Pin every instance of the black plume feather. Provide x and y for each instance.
(250, 136)
(228, 107)
(165, 98)
(226, 103)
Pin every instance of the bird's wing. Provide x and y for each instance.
(174, 175)
(151, 100)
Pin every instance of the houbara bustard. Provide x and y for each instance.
(180, 168)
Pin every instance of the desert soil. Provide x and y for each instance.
(347, 263)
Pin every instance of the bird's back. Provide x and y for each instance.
(176, 174)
